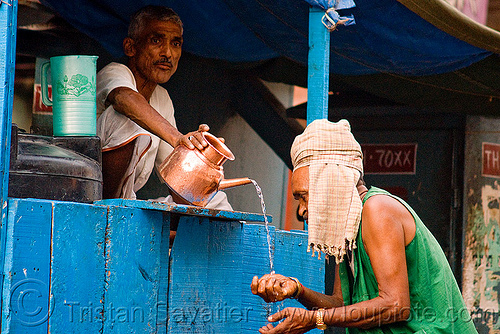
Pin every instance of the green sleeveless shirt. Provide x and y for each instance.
(437, 305)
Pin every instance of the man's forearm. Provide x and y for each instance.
(312, 299)
(134, 106)
(371, 313)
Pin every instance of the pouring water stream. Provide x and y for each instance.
(263, 206)
(268, 307)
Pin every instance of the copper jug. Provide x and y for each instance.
(195, 176)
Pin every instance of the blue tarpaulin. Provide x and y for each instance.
(415, 53)
(387, 37)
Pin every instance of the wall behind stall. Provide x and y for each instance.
(22, 110)
(256, 160)
(481, 258)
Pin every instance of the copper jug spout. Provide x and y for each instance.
(229, 183)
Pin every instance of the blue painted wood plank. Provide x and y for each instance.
(212, 266)
(255, 263)
(318, 67)
(186, 209)
(133, 267)
(205, 277)
(292, 259)
(26, 302)
(8, 29)
(77, 268)
(163, 270)
(188, 285)
(224, 276)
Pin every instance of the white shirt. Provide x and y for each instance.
(116, 129)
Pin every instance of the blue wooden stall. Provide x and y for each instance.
(108, 268)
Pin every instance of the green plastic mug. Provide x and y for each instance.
(73, 94)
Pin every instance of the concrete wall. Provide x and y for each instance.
(23, 105)
(481, 259)
(256, 160)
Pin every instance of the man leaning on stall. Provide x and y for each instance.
(391, 274)
(136, 121)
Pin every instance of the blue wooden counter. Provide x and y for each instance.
(108, 268)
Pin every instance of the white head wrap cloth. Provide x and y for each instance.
(335, 165)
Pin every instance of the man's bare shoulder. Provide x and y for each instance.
(382, 201)
(384, 214)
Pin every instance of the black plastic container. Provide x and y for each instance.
(59, 168)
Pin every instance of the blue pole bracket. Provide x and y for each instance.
(332, 19)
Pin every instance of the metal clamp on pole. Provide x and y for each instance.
(332, 19)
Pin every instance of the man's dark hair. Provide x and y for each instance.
(149, 13)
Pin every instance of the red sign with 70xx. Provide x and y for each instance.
(390, 158)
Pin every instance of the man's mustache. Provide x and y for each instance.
(163, 61)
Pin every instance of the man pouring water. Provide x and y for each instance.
(391, 274)
(136, 121)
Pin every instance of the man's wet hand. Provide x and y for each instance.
(274, 287)
(292, 321)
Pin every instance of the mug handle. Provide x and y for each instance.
(44, 85)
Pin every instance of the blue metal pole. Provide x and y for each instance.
(318, 66)
(8, 30)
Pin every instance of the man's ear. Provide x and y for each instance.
(129, 47)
